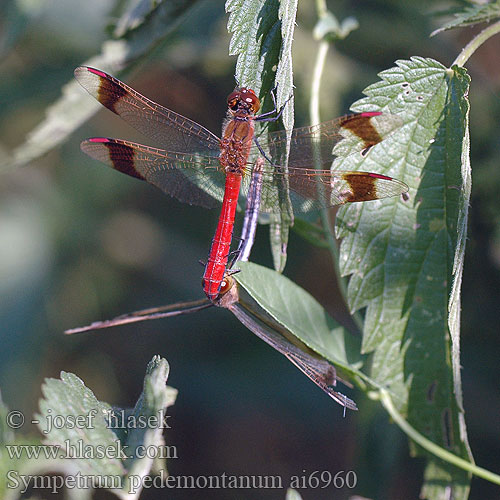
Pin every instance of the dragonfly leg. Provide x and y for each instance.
(262, 152)
(234, 256)
(274, 111)
(266, 117)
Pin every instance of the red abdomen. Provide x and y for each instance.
(235, 148)
(219, 252)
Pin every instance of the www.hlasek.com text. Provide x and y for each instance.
(81, 450)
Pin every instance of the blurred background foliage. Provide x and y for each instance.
(79, 242)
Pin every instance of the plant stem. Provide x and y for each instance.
(475, 43)
(315, 119)
(321, 8)
(432, 447)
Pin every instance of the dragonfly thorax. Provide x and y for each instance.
(236, 142)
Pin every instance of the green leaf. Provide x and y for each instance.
(458, 263)
(474, 14)
(100, 428)
(151, 407)
(136, 15)
(401, 254)
(74, 107)
(279, 230)
(68, 399)
(16, 464)
(329, 28)
(262, 34)
(256, 40)
(280, 226)
(300, 314)
(292, 494)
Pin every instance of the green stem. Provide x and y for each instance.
(325, 215)
(321, 8)
(475, 43)
(432, 447)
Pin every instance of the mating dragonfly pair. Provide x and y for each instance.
(200, 169)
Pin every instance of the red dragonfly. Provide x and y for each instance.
(199, 166)
(316, 368)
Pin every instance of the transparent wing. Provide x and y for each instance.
(311, 189)
(191, 178)
(197, 180)
(161, 124)
(337, 137)
(192, 174)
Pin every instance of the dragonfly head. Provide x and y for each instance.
(228, 293)
(223, 298)
(243, 99)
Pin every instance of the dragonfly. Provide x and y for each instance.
(200, 168)
(316, 368)
(247, 238)
(254, 198)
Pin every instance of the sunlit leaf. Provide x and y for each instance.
(475, 13)
(328, 27)
(292, 494)
(69, 397)
(123, 430)
(136, 15)
(16, 464)
(296, 310)
(262, 35)
(401, 254)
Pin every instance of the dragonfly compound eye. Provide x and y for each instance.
(233, 99)
(226, 285)
(243, 99)
(250, 99)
